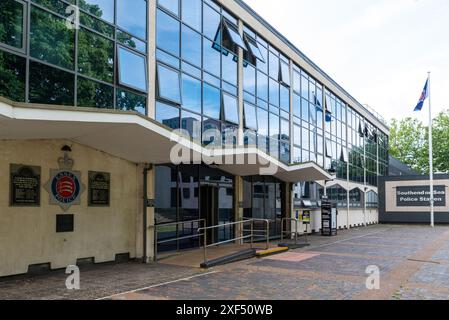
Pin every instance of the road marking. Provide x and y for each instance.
(159, 285)
(349, 239)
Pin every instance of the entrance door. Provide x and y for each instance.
(209, 210)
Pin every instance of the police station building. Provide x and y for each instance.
(127, 125)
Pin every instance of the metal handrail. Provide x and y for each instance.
(289, 232)
(177, 238)
(266, 231)
(242, 223)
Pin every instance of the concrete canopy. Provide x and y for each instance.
(138, 139)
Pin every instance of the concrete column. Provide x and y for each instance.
(240, 137)
(151, 50)
(238, 205)
(145, 230)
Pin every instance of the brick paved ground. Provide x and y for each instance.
(413, 260)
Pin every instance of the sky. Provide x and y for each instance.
(380, 51)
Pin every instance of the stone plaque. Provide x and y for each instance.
(99, 189)
(25, 186)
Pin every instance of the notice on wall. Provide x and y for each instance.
(25, 185)
(99, 189)
(419, 196)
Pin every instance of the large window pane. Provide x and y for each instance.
(167, 115)
(229, 72)
(94, 94)
(167, 33)
(191, 93)
(191, 123)
(285, 98)
(231, 110)
(212, 22)
(191, 13)
(50, 39)
(274, 92)
(211, 101)
(274, 66)
(129, 101)
(131, 41)
(250, 116)
(132, 16)
(212, 133)
(11, 23)
(100, 8)
(262, 86)
(171, 5)
(50, 86)
(211, 58)
(285, 73)
(274, 126)
(12, 71)
(169, 84)
(132, 70)
(191, 46)
(249, 79)
(95, 56)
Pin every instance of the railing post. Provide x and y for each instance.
(155, 244)
(296, 231)
(252, 234)
(268, 234)
(282, 230)
(205, 246)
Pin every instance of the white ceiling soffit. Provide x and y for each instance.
(140, 140)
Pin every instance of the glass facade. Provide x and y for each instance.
(102, 63)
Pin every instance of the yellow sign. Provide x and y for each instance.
(305, 217)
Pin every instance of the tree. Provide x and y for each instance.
(409, 143)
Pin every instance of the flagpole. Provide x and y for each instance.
(432, 200)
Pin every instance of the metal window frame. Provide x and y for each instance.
(158, 81)
(23, 49)
(119, 69)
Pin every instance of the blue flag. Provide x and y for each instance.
(424, 96)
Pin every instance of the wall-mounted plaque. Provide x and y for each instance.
(25, 186)
(65, 223)
(99, 189)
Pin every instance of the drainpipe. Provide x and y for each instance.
(145, 216)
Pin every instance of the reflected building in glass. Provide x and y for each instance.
(216, 70)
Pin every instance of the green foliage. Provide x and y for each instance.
(409, 143)
(12, 80)
(11, 23)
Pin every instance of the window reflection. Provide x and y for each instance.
(50, 39)
(167, 33)
(171, 5)
(231, 112)
(132, 69)
(95, 56)
(12, 68)
(167, 115)
(211, 101)
(11, 23)
(191, 93)
(132, 16)
(129, 101)
(100, 8)
(50, 86)
(95, 95)
(168, 84)
(191, 46)
(191, 13)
